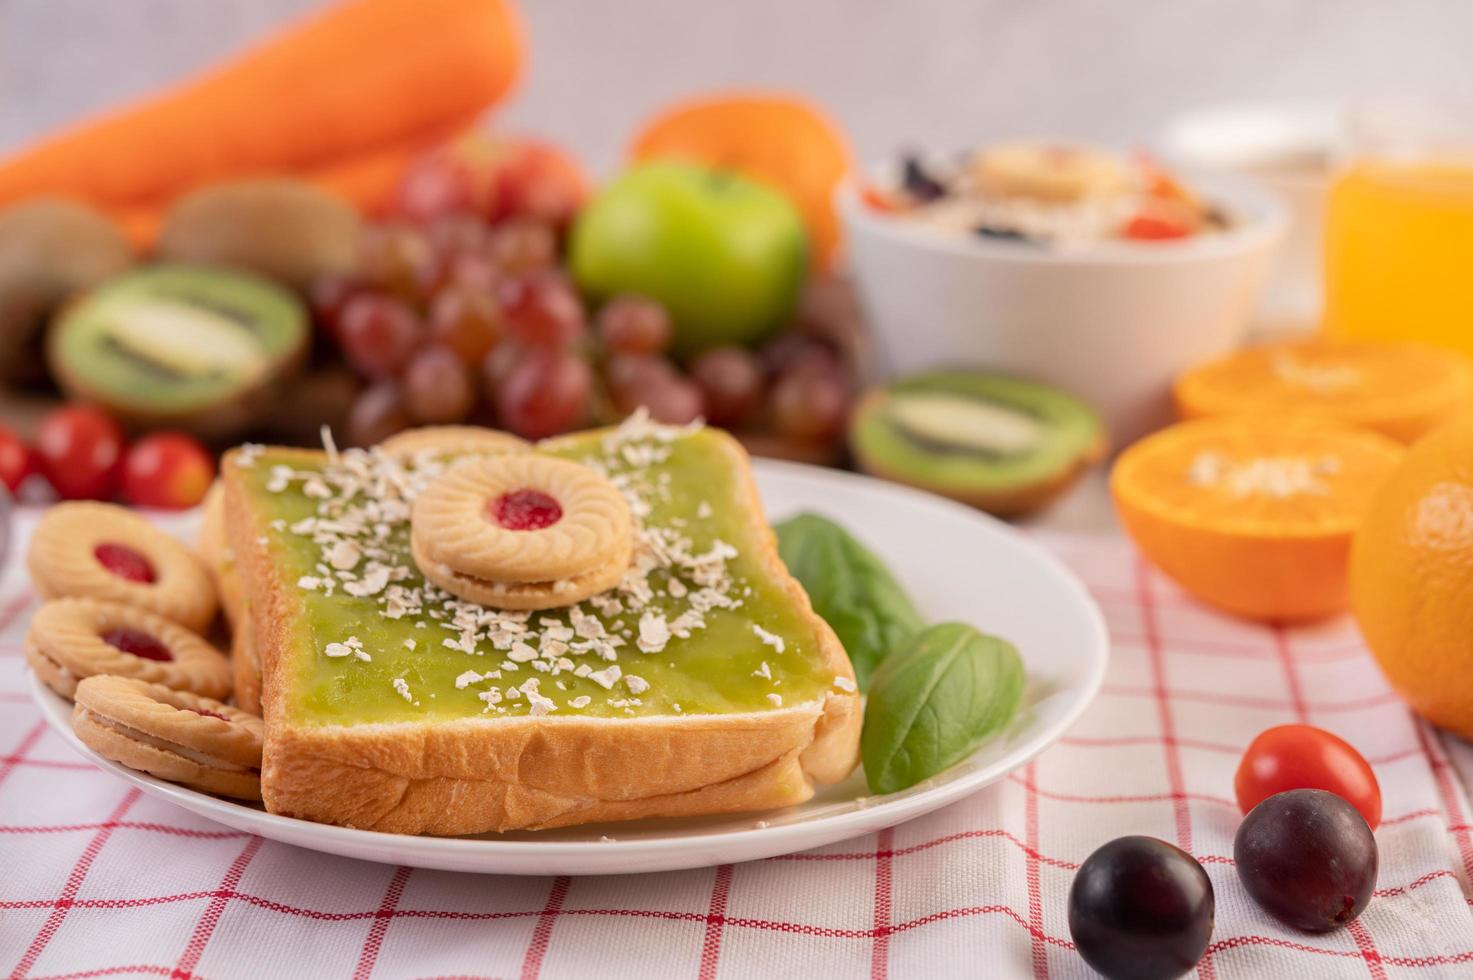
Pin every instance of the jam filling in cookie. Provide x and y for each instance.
(124, 562)
(101, 551)
(137, 643)
(525, 510)
(71, 639)
(175, 735)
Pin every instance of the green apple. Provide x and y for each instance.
(726, 255)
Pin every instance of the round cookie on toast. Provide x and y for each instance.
(452, 440)
(523, 531)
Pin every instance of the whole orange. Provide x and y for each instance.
(1411, 577)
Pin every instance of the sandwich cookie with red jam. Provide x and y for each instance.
(440, 441)
(522, 531)
(174, 735)
(101, 551)
(71, 639)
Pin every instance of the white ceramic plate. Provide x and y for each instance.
(959, 565)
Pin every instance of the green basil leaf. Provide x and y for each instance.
(933, 703)
(850, 588)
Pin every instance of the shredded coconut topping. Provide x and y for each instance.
(771, 639)
(1279, 477)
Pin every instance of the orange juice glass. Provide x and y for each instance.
(1399, 233)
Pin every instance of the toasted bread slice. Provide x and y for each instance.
(394, 706)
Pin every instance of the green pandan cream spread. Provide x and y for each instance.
(699, 626)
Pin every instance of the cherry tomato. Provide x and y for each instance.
(17, 460)
(1161, 184)
(80, 449)
(879, 199)
(1148, 226)
(168, 470)
(1304, 757)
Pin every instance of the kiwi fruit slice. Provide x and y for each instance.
(281, 228)
(50, 249)
(192, 347)
(1003, 444)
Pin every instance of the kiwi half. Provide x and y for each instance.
(1003, 444)
(187, 346)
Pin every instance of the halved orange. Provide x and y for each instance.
(1254, 514)
(1400, 389)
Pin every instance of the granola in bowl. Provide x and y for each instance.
(1053, 195)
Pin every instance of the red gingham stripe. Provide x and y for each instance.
(1291, 675)
(1359, 932)
(879, 967)
(1239, 942)
(146, 969)
(1031, 874)
(14, 608)
(449, 915)
(542, 934)
(1121, 741)
(189, 959)
(1156, 656)
(1157, 661)
(18, 760)
(381, 919)
(1231, 650)
(1174, 796)
(1447, 789)
(926, 845)
(27, 742)
(1426, 879)
(157, 828)
(1363, 942)
(715, 923)
(73, 884)
(1244, 701)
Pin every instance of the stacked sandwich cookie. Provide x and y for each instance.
(120, 635)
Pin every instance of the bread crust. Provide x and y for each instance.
(245, 668)
(484, 774)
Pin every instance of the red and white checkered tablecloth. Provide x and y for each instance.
(98, 880)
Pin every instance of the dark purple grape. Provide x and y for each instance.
(631, 324)
(812, 406)
(437, 387)
(1141, 908)
(917, 181)
(793, 353)
(731, 380)
(1308, 858)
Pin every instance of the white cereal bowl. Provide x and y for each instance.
(1111, 323)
